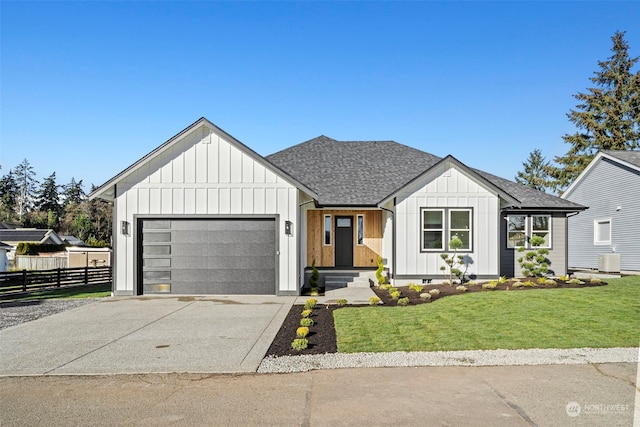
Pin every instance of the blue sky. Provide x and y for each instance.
(88, 88)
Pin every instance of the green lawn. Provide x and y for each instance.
(83, 291)
(607, 316)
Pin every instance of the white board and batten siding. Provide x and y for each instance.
(204, 174)
(447, 187)
(611, 191)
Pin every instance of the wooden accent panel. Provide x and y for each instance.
(363, 256)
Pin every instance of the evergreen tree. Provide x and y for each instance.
(607, 116)
(26, 185)
(47, 198)
(8, 198)
(535, 173)
(73, 192)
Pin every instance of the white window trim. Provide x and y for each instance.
(451, 231)
(526, 232)
(596, 223)
(358, 229)
(324, 230)
(422, 229)
(550, 230)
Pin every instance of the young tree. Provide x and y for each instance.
(535, 173)
(607, 116)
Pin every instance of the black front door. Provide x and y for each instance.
(344, 241)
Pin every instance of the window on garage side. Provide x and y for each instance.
(602, 231)
(327, 230)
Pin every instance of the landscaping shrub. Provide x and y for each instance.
(306, 321)
(379, 276)
(490, 285)
(434, 291)
(302, 331)
(395, 294)
(461, 288)
(306, 313)
(454, 260)
(416, 288)
(403, 302)
(341, 302)
(374, 301)
(534, 262)
(425, 296)
(300, 344)
(310, 303)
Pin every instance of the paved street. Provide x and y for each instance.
(447, 396)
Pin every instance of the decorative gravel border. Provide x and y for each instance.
(531, 357)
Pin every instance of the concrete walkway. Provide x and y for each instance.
(147, 335)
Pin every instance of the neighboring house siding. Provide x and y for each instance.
(447, 188)
(509, 265)
(204, 175)
(606, 186)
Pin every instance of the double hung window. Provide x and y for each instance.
(440, 225)
(520, 228)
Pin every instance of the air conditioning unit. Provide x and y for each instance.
(609, 263)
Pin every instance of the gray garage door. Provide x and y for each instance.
(207, 256)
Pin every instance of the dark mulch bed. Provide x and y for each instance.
(322, 335)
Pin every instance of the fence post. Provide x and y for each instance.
(58, 277)
(24, 280)
(86, 275)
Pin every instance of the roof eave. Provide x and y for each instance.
(102, 191)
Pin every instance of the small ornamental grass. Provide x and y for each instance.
(576, 282)
(310, 303)
(425, 296)
(403, 301)
(434, 292)
(374, 301)
(414, 287)
(306, 321)
(306, 313)
(461, 288)
(300, 344)
(395, 294)
(341, 302)
(595, 280)
(302, 331)
(490, 285)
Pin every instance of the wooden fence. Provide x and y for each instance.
(23, 281)
(33, 262)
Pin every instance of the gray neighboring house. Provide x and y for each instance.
(13, 236)
(205, 214)
(610, 187)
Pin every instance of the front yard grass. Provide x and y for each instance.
(598, 317)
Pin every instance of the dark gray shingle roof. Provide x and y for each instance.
(352, 173)
(632, 157)
(18, 235)
(363, 173)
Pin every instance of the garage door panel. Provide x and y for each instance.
(212, 256)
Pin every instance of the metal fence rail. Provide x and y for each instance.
(23, 281)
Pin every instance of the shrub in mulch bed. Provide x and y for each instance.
(322, 334)
(446, 290)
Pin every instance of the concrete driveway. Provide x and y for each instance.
(221, 334)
